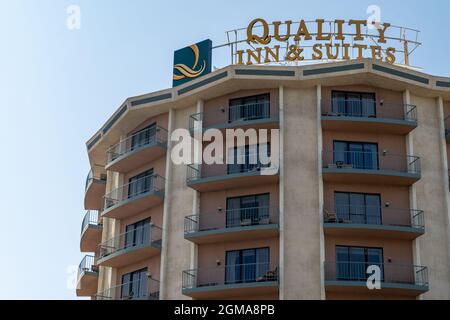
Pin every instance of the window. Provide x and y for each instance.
(137, 234)
(140, 184)
(352, 262)
(247, 158)
(354, 104)
(248, 265)
(249, 108)
(358, 207)
(134, 285)
(248, 210)
(144, 137)
(357, 154)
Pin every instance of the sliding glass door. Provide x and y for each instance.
(247, 210)
(248, 265)
(352, 262)
(143, 137)
(134, 285)
(138, 233)
(354, 104)
(247, 158)
(140, 184)
(358, 208)
(249, 108)
(357, 154)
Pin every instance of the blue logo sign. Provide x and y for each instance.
(192, 62)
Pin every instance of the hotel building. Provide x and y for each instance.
(362, 181)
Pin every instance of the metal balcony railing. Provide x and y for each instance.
(147, 235)
(390, 273)
(370, 161)
(149, 137)
(369, 109)
(243, 163)
(231, 114)
(230, 275)
(147, 289)
(375, 215)
(91, 177)
(222, 219)
(86, 265)
(91, 218)
(140, 187)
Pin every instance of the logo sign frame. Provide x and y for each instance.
(192, 62)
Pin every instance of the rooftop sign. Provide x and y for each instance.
(264, 42)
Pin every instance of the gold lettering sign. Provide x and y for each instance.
(329, 41)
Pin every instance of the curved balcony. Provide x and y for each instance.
(407, 280)
(367, 116)
(137, 150)
(233, 281)
(95, 189)
(250, 115)
(87, 277)
(370, 168)
(91, 232)
(221, 176)
(130, 247)
(367, 221)
(134, 197)
(237, 225)
(137, 290)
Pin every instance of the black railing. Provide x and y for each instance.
(147, 289)
(389, 273)
(146, 185)
(233, 218)
(230, 275)
(149, 137)
(231, 114)
(91, 177)
(375, 215)
(369, 109)
(147, 235)
(91, 218)
(86, 266)
(370, 161)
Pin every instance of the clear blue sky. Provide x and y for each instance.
(57, 87)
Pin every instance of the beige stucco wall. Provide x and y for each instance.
(301, 194)
(431, 196)
(180, 202)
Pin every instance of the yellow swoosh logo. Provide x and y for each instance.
(187, 72)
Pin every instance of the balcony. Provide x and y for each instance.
(87, 277)
(134, 197)
(370, 168)
(234, 281)
(407, 280)
(95, 189)
(222, 177)
(137, 150)
(366, 221)
(130, 247)
(137, 290)
(251, 115)
(366, 116)
(91, 232)
(232, 225)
